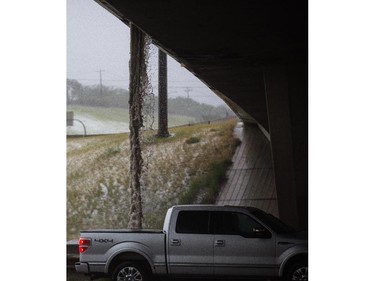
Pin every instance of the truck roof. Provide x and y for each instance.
(212, 207)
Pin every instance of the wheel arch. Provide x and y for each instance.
(291, 261)
(128, 256)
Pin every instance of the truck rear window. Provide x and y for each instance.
(196, 222)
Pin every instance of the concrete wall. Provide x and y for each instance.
(251, 180)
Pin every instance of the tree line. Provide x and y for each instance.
(95, 95)
(105, 96)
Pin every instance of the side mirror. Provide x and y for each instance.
(261, 232)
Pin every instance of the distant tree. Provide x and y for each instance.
(78, 94)
(95, 95)
(74, 90)
(201, 112)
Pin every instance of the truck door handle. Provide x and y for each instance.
(175, 242)
(219, 243)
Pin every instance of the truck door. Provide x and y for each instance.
(239, 248)
(190, 245)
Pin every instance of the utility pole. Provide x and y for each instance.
(101, 83)
(187, 91)
(163, 96)
(101, 98)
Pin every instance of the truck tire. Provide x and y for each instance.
(131, 271)
(297, 272)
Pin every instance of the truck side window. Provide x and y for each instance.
(196, 222)
(233, 223)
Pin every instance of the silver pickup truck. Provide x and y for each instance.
(198, 241)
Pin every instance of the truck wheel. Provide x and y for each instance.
(131, 272)
(298, 272)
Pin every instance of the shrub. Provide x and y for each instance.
(205, 188)
(193, 140)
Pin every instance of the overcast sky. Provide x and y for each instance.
(98, 41)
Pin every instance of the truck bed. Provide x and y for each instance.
(122, 231)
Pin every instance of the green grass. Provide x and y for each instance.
(98, 175)
(192, 140)
(205, 188)
(178, 173)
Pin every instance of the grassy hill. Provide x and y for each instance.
(185, 168)
(102, 120)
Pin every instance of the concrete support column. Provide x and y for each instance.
(163, 96)
(287, 94)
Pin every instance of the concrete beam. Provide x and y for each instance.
(286, 94)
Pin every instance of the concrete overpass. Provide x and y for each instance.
(253, 54)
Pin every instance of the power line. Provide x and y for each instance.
(83, 73)
(121, 76)
(154, 81)
(118, 80)
(104, 80)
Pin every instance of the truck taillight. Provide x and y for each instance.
(84, 244)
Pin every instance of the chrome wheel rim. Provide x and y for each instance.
(300, 274)
(129, 273)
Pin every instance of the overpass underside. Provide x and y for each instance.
(253, 54)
